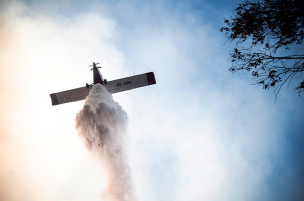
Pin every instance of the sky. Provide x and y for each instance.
(200, 133)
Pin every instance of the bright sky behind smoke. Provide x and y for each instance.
(200, 133)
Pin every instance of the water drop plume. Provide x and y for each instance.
(102, 125)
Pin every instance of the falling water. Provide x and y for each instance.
(102, 125)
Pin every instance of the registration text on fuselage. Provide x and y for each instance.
(120, 84)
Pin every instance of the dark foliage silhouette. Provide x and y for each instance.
(269, 26)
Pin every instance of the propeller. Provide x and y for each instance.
(95, 64)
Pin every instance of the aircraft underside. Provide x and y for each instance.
(114, 86)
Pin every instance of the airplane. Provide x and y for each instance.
(113, 86)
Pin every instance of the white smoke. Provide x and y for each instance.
(102, 124)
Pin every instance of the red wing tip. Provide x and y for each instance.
(54, 99)
(151, 78)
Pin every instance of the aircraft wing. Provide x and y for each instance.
(70, 95)
(129, 83)
(113, 86)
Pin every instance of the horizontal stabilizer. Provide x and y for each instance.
(113, 86)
